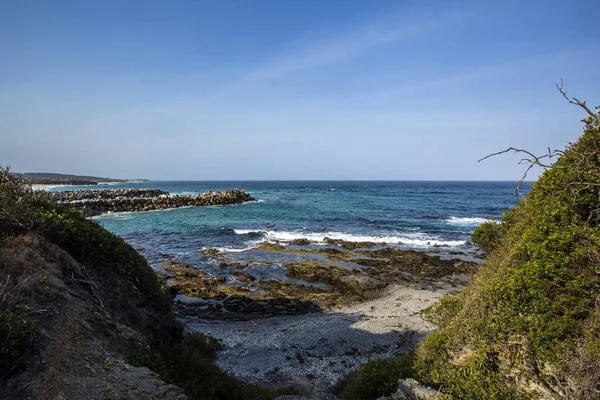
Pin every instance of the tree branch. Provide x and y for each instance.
(534, 160)
(574, 100)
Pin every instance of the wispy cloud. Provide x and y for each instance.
(326, 51)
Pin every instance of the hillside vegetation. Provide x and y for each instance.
(528, 326)
(82, 314)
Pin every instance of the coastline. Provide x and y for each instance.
(281, 333)
(311, 352)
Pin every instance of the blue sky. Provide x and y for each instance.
(282, 89)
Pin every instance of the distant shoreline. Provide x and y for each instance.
(40, 180)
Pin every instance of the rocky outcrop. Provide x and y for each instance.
(410, 389)
(96, 202)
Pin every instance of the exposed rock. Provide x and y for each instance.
(350, 245)
(299, 242)
(234, 265)
(415, 262)
(410, 389)
(268, 246)
(362, 283)
(246, 278)
(211, 251)
(348, 282)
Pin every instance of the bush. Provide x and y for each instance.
(376, 378)
(487, 235)
(19, 204)
(90, 244)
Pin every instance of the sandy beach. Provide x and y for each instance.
(313, 351)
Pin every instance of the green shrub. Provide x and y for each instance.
(92, 245)
(19, 204)
(376, 378)
(487, 235)
(442, 311)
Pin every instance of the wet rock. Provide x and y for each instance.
(233, 265)
(246, 278)
(211, 251)
(299, 242)
(350, 245)
(268, 246)
(414, 262)
(336, 254)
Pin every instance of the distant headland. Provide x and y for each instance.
(46, 178)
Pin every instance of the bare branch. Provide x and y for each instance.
(534, 160)
(574, 100)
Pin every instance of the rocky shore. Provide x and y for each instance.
(96, 202)
(321, 279)
(304, 315)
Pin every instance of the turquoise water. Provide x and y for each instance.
(421, 215)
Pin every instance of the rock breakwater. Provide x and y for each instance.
(96, 202)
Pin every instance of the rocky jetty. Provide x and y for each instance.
(96, 202)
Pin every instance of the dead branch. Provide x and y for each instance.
(93, 289)
(532, 161)
(574, 100)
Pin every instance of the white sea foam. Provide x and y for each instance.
(246, 231)
(467, 221)
(417, 240)
(228, 249)
(251, 201)
(116, 215)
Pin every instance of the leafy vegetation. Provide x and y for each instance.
(90, 244)
(376, 378)
(528, 325)
(20, 205)
(487, 235)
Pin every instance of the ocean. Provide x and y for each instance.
(405, 214)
